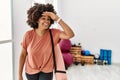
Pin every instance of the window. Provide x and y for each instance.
(6, 57)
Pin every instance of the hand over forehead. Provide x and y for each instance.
(51, 15)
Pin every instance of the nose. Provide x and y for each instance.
(47, 20)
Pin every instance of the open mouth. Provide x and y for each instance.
(45, 24)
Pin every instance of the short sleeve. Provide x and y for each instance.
(25, 40)
(56, 35)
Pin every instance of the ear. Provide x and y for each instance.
(38, 20)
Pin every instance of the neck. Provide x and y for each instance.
(41, 32)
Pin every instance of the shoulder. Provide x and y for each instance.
(29, 32)
(56, 34)
(54, 30)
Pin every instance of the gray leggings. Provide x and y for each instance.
(40, 76)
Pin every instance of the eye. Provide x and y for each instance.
(45, 18)
(48, 19)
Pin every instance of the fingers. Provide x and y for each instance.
(51, 15)
(47, 13)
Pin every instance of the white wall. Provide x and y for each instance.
(95, 23)
(19, 26)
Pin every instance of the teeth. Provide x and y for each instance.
(46, 24)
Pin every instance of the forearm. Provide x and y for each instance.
(21, 64)
(67, 30)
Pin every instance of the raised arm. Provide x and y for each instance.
(67, 32)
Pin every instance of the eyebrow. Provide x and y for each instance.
(45, 16)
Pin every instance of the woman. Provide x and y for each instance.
(36, 51)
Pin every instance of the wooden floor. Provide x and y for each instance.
(94, 72)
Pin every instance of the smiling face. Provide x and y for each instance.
(44, 22)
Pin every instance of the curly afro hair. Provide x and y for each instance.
(35, 12)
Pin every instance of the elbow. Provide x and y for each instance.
(67, 36)
(71, 36)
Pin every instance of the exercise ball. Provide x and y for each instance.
(65, 45)
(68, 58)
